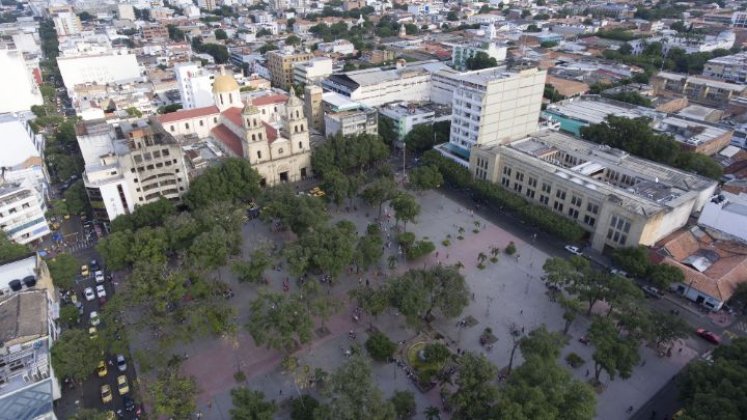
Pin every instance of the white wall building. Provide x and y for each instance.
(405, 117)
(726, 213)
(126, 12)
(460, 53)
(101, 69)
(340, 46)
(22, 157)
(313, 71)
(22, 213)
(195, 85)
(67, 23)
(18, 87)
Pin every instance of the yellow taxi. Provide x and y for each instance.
(101, 369)
(106, 394)
(84, 270)
(93, 334)
(122, 385)
(317, 192)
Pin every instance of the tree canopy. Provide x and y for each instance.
(174, 395)
(349, 154)
(249, 404)
(480, 61)
(234, 180)
(75, 355)
(353, 395)
(9, 249)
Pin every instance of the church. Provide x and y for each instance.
(280, 152)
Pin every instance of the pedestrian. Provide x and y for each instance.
(679, 350)
(280, 392)
(436, 254)
(522, 330)
(587, 373)
(521, 312)
(473, 297)
(447, 256)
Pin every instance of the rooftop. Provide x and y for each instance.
(702, 80)
(594, 110)
(185, 114)
(23, 317)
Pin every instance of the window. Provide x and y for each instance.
(259, 154)
(300, 145)
(186, 125)
(543, 199)
(530, 193)
(546, 187)
(202, 123)
(618, 230)
(280, 151)
(573, 212)
(557, 206)
(505, 182)
(506, 171)
(172, 128)
(533, 182)
(589, 220)
(215, 119)
(517, 187)
(560, 194)
(576, 201)
(592, 208)
(519, 176)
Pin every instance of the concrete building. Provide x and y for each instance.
(281, 66)
(406, 116)
(313, 71)
(697, 44)
(460, 53)
(22, 213)
(726, 213)
(312, 98)
(207, 4)
(351, 122)
(29, 309)
(19, 87)
(126, 12)
(22, 159)
(131, 165)
(101, 69)
(155, 33)
(378, 56)
(697, 89)
(340, 46)
(621, 200)
(493, 105)
(729, 68)
(67, 23)
(195, 85)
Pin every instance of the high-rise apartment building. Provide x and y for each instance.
(195, 85)
(281, 64)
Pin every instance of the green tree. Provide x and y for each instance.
(336, 185)
(251, 271)
(69, 315)
(76, 198)
(425, 177)
(173, 394)
(476, 393)
(299, 213)
(417, 293)
(380, 347)
(175, 34)
(452, 16)
(234, 180)
(134, 112)
(740, 296)
(327, 249)
(278, 321)
(614, 354)
(221, 35)
(378, 192)
(75, 355)
(353, 395)
(249, 404)
(64, 269)
(404, 404)
(436, 353)
(210, 250)
(292, 40)
(303, 408)
(115, 249)
(148, 215)
(571, 309)
(420, 139)
(666, 328)
(89, 414)
(634, 260)
(10, 250)
(368, 251)
(406, 208)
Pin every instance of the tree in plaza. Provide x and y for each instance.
(481, 60)
(336, 185)
(621, 292)
(249, 404)
(115, 249)
(634, 260)
(404, 404)
(234, 180)
(561, 272)
(149, 244)
(436, 353)
(353, 395)
(425, 178)
(182, 229)
(278, 321)
(368, 251)
(9, 249)
(303, 408)
(432, 413)
(614, 353)
(251, 271)
(378, 192)
(75, 355)
(417, 293)
(716, 389)
(476, 393)
(89, 414)
(151, 215)
(298, 213)
(328, 249)
(349, 154)
(226, 216)
(665, 328)
(543, 343)
(76, 198)
(571, 309)
(406, 208)
(63, 269)
(664, 275)
(591, 287)
(420, 139)
(317, 302)
(380, 347)
(373, 300)
(209, 250)
(173, 394)
(155, 286)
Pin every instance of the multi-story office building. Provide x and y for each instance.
(195, 85)
(313, 71)
(493, 105)
(22, 213)
(729, 68)
(351, 122)
(281, 66)
(132, 165)
(155, 32)
(621, 200)
(67, 23)
(29, 308)
(406, 116)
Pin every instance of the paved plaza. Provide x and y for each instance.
(508, 293)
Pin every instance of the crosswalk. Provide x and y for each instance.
(740, 326)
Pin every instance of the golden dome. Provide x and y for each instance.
(224, 83)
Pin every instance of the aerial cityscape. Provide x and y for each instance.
(373, 209)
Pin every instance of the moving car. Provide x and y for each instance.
(88, 292)
(95, 320)
(84, 271)
(99, 275)
(574, 250)
(121, 363)
(106, 393)
(122, 385)
(708, 336)
(618, 272)
(651, 292)
(100, 291)
(101, 369)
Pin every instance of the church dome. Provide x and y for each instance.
(224, 83)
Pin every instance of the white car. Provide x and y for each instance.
(99, 276)
(95, 320)
(88, 292)
(121, 363)
(100, 291)
(574, 250)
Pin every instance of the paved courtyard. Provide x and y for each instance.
(506, 293)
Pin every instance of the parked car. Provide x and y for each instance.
(84, 271)
(99, 275)
(574, 250)
(106, 394)
(101, 369)
(100, 291)
(95, 320)
(121, 363)
(618, 272)
(128, 403)
(122, 385)
(94, 264)
(92, 333)
(708, 336)
(88, 292)
(651, 292)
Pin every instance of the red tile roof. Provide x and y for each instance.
(272, 133)
(269, 99)
(187, 114)
(233, 115)
(229, 139)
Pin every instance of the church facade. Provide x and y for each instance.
(279, 151)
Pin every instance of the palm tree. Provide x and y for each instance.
(481, 257)
(432, 413)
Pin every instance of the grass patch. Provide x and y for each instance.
(446, 242)
(239, 376)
